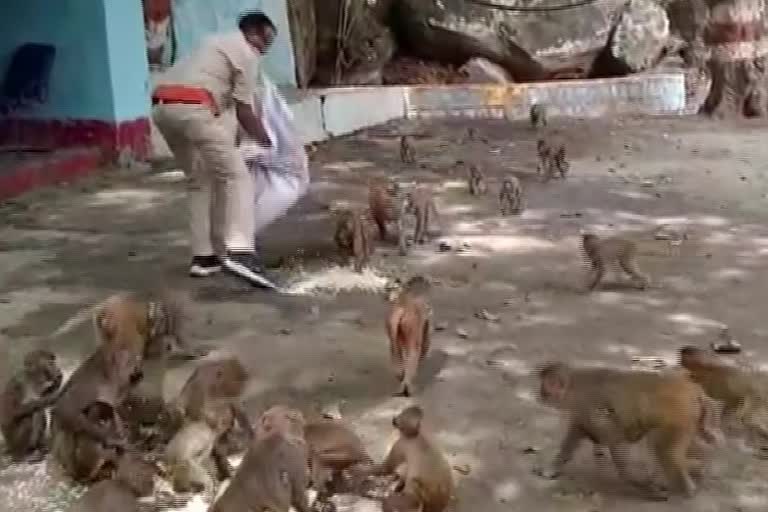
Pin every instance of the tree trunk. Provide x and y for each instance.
(737, 45)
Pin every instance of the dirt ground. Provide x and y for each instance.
(64, 248)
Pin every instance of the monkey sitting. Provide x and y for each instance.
(353, 238)
(421, 466)
(134, 479)
(409, 330)
(407, 151)
(273, 475)
(538, 115)
(382, 199)
(613, 408)
(477, 184)
(511, 196)
(743, 393)
(602, 252)
(23, 405)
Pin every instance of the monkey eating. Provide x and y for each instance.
(511, 196)
(134, 479)
(614, 407)
(743, 393)
(333, 449)
(407, 151)
(538, 115)
(23, 405)
(353, 238)
(427, 481)
(273, 475)
(86, 428)
(409, 330)
(477, 184)
(601, 252)
(215, 386)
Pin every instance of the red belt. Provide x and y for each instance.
(182, 94)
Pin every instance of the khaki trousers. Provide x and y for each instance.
(220, 187)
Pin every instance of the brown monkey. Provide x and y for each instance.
(538, 115)
(134, 479)
(602, 252)
(333, 448)
(477, 184)
(382, 199)
(511, 196)
(420, 203)
(409, 330)
(560, 163)
(743, 393)
(401, 502)
(419, 463)
(85, 414)
(614, 407)
(353, 238)
(407, 152)
(23, 403)
(218, 385)
(273, 475)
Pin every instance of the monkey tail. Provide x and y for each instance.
(77, 319)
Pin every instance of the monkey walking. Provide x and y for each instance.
(544, 167)
(613, 408)
(409, 330)
(742, 392)
(420, 203)
(538, 115)
(353, 238)
(601, 252)
(560, 163)
(407, 151)
(427, 481)
(476, 179)
(23, 405)
(511, 196)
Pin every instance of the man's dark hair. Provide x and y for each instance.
(255, 20)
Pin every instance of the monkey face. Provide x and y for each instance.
(408, 422)
(43, 372)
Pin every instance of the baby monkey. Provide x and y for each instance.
(538, 115)
(407, 152)
(602, 252)
(477, 184)
(511, 196)
(353, 238)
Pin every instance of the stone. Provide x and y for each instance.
(638, 41)
(482, 71)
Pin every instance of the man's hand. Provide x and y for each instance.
(252, 124)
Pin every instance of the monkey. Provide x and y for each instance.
(477, 184)
(333, 449)
(538, 116)
(215, 384)
(511, 196)
(420, 203)
(401, 502)
(93, 460)
(273, 475)
(409, 327)
(86, 411)
(407, 152)
(743, 393)
(560, 163)
(382, 197)
(421, 465)
(23, 405)
(134, 479)
(602, 252)
(471, 134)
(353, 238)
(614, 407)
(188, 456)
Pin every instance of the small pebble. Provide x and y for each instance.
(286, 331)
(464, 469)
(462, 333)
